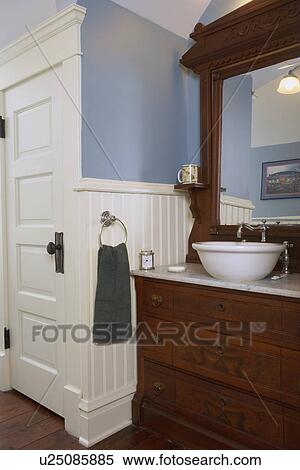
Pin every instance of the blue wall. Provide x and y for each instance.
(215, 10)
(236, 135)
(274, 207)
(193, 116)
(242, 164)
(141, 108)
(133, 96)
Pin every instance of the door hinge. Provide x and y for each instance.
(2, 128)
(6, 338)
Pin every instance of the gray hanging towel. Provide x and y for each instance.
(112, 316)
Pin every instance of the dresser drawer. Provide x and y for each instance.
(290, 372)
(234, 361)
(159, 384)
(157, 298)
(237, 312)
(291, 429)
(153, 339)
(233, 413)
(291, 322)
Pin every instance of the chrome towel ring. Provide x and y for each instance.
(108, 219)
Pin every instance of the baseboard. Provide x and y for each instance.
(4, 372)
(72, 397)
(91, 405)
(105, 421)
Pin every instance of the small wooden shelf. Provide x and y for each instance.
(188, 186)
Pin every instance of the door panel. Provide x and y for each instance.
(31, 282)
(37, 117)
(34, 199)
(35, 202)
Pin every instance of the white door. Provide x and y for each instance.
(33, 112)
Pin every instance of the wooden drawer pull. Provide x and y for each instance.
(222, 402)
(221, 307)
(159, 388)
(156, 300)
(221, 350)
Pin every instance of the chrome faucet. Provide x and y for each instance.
(285, 258)
(263, 227)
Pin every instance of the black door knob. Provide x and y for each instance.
(51, 248)
(57, 248)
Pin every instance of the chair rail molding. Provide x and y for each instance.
(124, 187)
(56, 41)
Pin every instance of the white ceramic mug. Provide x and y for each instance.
(188, 174)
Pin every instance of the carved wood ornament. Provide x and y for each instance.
(259, 34)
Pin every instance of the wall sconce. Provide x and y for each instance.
(289, 84)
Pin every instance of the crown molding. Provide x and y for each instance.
(51, 42)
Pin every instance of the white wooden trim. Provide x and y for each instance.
(105, 421)
(44, 31)
(234, 210)
(4, 371)
(124, 187)
(236, 202)
(292, 219)
(91, 405)
(71, 73)
(4, 354)
(53, 41)
(72, 396)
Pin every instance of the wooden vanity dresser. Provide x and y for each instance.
(243, 390)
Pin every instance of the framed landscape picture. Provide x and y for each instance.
(281, 179)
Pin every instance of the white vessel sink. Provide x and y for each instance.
(239, 261)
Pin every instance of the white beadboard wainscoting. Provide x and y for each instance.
(234, 210)
(161, 222)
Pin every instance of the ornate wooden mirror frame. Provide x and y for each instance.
(259, 34)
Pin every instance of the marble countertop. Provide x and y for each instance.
(195, 274)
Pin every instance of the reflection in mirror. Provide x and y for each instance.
(260, 153)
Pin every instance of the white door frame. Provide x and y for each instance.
(4, 354)
(55, 41)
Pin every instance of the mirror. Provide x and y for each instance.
(260, 148)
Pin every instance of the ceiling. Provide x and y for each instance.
(177, 16)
